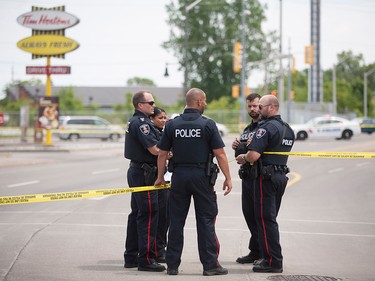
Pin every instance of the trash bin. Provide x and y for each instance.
(38, 135)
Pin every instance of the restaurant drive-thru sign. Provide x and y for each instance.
(47, 45)
(48, 70)
(47, 20)
(48, 40)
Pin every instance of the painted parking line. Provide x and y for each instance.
(337, 170)
(105, 171)
(23, 183)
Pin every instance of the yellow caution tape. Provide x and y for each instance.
(70, 195)
(358, 155)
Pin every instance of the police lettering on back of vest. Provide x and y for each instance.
(189, 144)
(188, 133)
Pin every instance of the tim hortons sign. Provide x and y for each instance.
(47, 20)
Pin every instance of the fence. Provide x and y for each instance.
(299, 113)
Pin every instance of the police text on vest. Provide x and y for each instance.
(188, 133)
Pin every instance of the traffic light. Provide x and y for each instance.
(293, 65)
(237, 57)
(235, 91)
(247, 91)
(309, 54)
(291, 95)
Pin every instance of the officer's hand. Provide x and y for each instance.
(169, 155)
(159, 182)
(235, 143)
(227, 187)
(240, 159)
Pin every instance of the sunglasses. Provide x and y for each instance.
(148, 102)
(261, 106)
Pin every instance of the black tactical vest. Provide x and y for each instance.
(133, 148)
(189, 140)
(283, 144)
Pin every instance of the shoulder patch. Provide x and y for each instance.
(260, 133)
(145, 129)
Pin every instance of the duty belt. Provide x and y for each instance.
(193, 165)
(138, 165)
(280, 168)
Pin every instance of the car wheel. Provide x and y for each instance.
(73, 137)
(114, 137)
(347, 134)
(302, 135)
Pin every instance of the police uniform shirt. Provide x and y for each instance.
(211, 134)
(248, 132)
(268, 138)
(140, 135)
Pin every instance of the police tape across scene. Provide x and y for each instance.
(322, 154)
(35, 198)
(70, 195)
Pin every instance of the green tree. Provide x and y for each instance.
(213, 27)
(67, 101)
(138, 81)
(349, 83)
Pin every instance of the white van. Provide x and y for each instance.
(76, 127)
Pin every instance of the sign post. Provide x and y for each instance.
(48, 30)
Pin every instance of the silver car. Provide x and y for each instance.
(76, 127)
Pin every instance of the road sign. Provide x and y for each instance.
(47, 70)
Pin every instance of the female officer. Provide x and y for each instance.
(159, 118)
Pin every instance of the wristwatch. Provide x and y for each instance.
(244, 158)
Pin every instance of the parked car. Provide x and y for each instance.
(223, 130)
(76, 127)
(367, 125)
(326, 127)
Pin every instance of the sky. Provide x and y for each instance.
(121, 39)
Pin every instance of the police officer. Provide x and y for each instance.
(248, 179)
(140, 147)
(159, 118)
(194, 139)
(273, 135)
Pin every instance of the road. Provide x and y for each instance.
(327, 218)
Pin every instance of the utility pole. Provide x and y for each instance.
(243, 68)
(365, 91)
(281, 71)
(289, 83)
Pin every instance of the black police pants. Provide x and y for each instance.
(268, 194)
(142, 222)
(190, 182)
(163, 221)
(248, 186)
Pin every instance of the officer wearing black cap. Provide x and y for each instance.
(195, 141)
(273, 135)
(248, 176)
(140, 147)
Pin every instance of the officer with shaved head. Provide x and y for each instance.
(272, 135)
(195, 140)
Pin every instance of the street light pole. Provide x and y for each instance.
(334, 93)
(334, 98)
(186, 33)
(365, 91)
